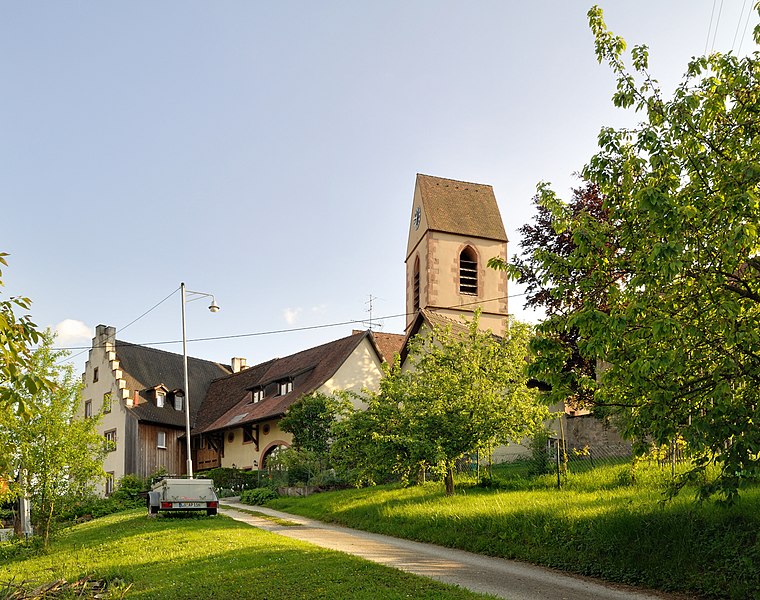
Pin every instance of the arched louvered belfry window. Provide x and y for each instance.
(468, 272)
(416, 284)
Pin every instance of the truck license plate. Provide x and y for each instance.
(189, 505)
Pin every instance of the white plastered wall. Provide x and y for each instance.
(361, 371)
(103, 357)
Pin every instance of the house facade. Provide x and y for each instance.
(137, 392)
(238, 424)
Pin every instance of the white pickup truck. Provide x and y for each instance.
(183, 494)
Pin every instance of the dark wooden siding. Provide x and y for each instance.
(131, 445)
(205, 456)
(152, 458)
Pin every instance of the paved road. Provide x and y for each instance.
(502, 578)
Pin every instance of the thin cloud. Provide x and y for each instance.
(71, 332)
(291, 315)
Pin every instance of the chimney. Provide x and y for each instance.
(238, 364)
(104, 334)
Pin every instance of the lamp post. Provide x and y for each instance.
(214, 307)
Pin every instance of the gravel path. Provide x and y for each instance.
(484, 574)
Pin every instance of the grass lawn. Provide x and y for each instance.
(200, 557)
(599, 525)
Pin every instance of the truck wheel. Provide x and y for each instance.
(210, 512)
(153, 510)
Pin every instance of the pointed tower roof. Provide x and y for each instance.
(460, 207)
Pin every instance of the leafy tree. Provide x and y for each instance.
(552, 282)
(374, 446)
(464, 391)
(676, 263)
(17, 335)
(54, 456)
(311, 420)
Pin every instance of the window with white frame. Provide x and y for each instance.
(107, 402)
(285, 387)
(109, 483)
(160, 398)
(257, 395)
(110, 436)
(161, 439)
(178, 398)
(88, 409)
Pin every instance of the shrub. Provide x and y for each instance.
(232, 479)
(539, 448)
(258, 496)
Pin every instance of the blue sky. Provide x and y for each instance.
(266, 152)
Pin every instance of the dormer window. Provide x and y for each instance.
(179, 398)
(285, 387)
(257, 395)
(160, 398)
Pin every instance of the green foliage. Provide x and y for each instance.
(464, 391)
(669, 301)
(198, 557)
(311, 420)
(300, 465)
(596, 526)
(18, 380)
(541, 463)
(132, 485)
(258, 496)
(54, 455)
(232, 479)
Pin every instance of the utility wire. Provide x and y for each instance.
(717, 24)
(709, 28)
(738, 25)
(746, 23)
(295, 329)
(120, 329)
(86, 348)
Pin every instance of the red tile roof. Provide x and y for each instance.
(461, 208)
(228, 401)
(389, 344)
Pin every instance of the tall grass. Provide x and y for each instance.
(599, 524)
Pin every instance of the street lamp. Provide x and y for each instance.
(214, 307)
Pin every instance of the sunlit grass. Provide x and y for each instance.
(211, 558)
(598, 524)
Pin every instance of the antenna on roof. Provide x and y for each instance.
(369, 310)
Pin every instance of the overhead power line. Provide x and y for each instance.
(746, 23)
(86, 348)
(738, 24)
(709, 27)
(288, 330)
(717, 24)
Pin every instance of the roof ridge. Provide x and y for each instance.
(315, 347)
(143, 347)
(455, 180)
(272, 361)
(246, 370)
(359, 336)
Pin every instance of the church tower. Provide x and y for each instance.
(454, 230)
